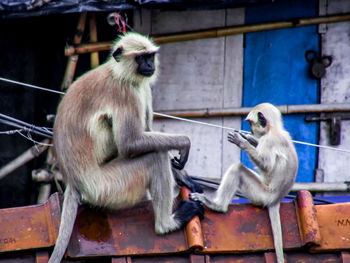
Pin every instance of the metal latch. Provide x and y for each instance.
(334, 120)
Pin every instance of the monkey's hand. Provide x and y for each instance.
(237, 138)
(251, 139)
(179, 163)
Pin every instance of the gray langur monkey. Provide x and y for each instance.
(105, 146)
(272, 151)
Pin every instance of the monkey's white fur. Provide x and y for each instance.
(275, 158)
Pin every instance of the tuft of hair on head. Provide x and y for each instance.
(272, 115)
(133, 43)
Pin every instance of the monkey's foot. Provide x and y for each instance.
(175, 162)
(208, 202)
(187, 210)
(198, 197)
(183, 214)
(166, 226)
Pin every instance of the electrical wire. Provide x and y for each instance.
(31, 86)
(47, 132)
(4, 119)
(183, 119)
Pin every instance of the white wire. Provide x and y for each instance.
(19, 131)
(10, 132)
(227, 128)
(31, 86)
(323, 146)
(181, 119)
(34, 141)
(197, 122)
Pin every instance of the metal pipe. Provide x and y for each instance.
(285, 109)
(312, 187)
(219, 32)
(321, 187)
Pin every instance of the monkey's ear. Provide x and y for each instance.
(262, 119)
(117, 53)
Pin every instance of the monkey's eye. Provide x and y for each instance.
(262, 119)
(144, 57)
(138, 58)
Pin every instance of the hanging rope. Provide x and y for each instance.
(173, 117)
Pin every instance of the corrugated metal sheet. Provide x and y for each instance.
(311, 233)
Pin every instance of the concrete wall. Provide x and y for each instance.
(198, 74)
(335, 88)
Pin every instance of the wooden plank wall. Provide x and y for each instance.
(195, 75)
(335, 88)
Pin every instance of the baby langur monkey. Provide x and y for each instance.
(272, 151)
(105, 146)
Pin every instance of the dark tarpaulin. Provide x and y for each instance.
(28, 8)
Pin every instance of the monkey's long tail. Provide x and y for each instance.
(69, 213)
(274, 214)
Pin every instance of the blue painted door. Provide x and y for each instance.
(275, 71)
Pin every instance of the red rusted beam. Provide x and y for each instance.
(334, 223)
(41, 257)
(345, 256)
(30, 227)
(193, 228)
(245, 229)
(270, 257)
(307, 219)
(121, 233)
(243, 233)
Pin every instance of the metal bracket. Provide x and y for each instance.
(318, 64)
(334, 120)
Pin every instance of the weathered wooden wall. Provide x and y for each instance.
(198, 74)
(335, 88)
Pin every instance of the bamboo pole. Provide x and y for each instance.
(44, 193)
(219, 32)
(22, 159)
(285, 109)
(73, 59)
(321, 187)
(93, 39)
(311, 187)
(88, 48)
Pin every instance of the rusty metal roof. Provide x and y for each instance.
(311, 233)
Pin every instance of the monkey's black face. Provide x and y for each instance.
(145, 64)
